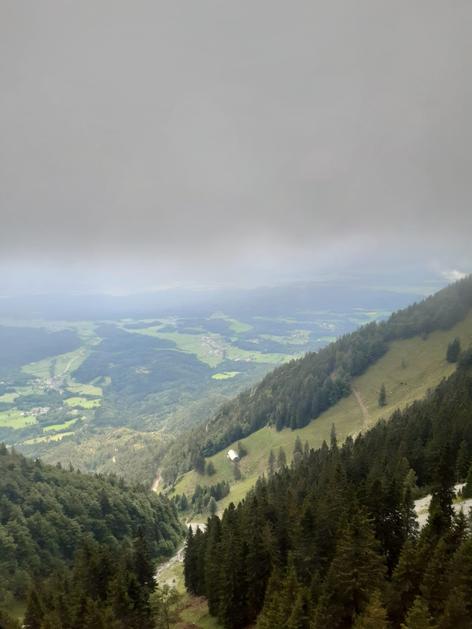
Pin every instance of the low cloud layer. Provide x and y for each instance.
(186, 133)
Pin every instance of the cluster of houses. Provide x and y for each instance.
(37, 410)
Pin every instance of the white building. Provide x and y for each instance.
(233, 456)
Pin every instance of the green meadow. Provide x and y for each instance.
(82, 402)
(225, 375)
(15, 419)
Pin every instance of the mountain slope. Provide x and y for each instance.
(298, 392)
(409, 368)
(332, 541)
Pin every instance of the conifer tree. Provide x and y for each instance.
(405, 584)
(281, 459)
(297, 452)
(190, 561)
(232, 611)
(301, 611)
(418, 616)
(143, 566)
(271, 615)
(333, 441)
(456, 611)
(383, 396)
(462, 462)
(271, 463)
(440, 509)
(212, 506)
(34, 610)
(467, 491)
(355, 573)
(93, 617)
(120, 602)
(242, 450)
(282, 594)
(453, 351)
(374, 616)
(434, 584)
(210, 469)
(458, 606)
(212, 565)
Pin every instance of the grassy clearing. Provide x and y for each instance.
(297, 337)
(193, 612)
(409, 369)
(57, 427)
(47, 438)
(225, 375)
(212, 349)
(173, 576)
(82, 402)
(14, 419)
(238, 327)
(8, 398)
(234, 353)
(58, 366)
(208, 348)
(85, 389)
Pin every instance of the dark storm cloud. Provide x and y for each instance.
(178, 130)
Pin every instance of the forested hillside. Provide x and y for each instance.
(296, 393)
(47, 515)
(332, 541)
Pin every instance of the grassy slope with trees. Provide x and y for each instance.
(409, 368)
(333, 541)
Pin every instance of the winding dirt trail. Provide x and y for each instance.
(363, 407)
(161, 573)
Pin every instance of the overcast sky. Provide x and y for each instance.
(170, 141)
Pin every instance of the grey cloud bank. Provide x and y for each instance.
(274, 132)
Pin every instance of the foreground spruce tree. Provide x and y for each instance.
(418, 616)
(374, 616)
(99, 592)
(355, 573)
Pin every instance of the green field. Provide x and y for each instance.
(57, 427)
(409, 369)
(225, 375)
(57, 366)
(190, 610)
(8, 398)
(82, 402)
(194, 613)
(85, 389)
(238, 326)
(48, 438)
(15, 419)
